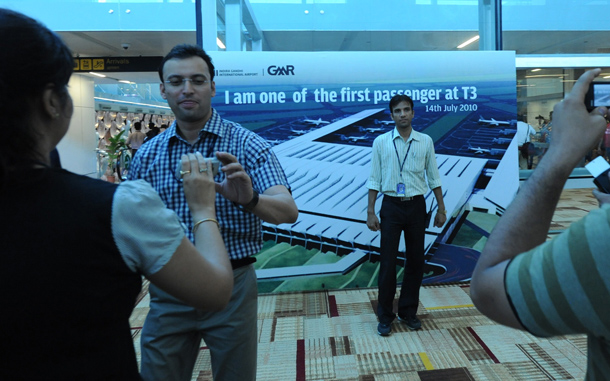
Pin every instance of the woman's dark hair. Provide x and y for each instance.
(37, 58)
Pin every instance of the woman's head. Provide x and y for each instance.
(40, 66)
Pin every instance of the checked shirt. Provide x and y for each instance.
(157, 160)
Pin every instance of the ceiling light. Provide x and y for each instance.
(131, 103)
(220, 44)
(535, 70)
(97, 74)
(468, 42)
(124, 81)
(546, 76)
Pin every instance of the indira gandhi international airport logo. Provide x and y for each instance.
(273, 70)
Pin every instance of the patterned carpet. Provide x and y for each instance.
(331, 335)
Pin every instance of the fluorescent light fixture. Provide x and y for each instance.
(220, 44)
(124, 81)
(606, 76)
(546, 76)
(535, 70)
(131, 103)
(468, 42)
(97, 74)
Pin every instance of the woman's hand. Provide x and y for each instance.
(199, 186)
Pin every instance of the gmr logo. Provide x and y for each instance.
(275, 70)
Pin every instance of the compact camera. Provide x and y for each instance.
(599, 168)
(215, 167)
(598, 95)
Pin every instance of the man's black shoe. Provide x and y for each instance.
(384, 329)
(412, 322)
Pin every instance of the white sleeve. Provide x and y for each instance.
(145, 231)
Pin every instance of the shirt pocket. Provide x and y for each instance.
(417, 161)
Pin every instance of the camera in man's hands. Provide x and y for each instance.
(599, 168)
(215, 167)
(598, 95)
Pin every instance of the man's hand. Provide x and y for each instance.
(440, 219)
(372, 222)
(237, 185)
(575, 129)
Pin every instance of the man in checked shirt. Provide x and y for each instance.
(251, 187)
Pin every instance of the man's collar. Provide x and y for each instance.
(414, 134)
(214, 126)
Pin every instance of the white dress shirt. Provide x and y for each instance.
(389, 152)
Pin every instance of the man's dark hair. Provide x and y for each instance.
(396, 99)
(137, 126)
(184, 51)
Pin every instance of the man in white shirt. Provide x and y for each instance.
(135, 139)
(402, 159)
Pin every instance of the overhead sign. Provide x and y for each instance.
(117, 64)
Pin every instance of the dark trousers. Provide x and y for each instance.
(396, 217)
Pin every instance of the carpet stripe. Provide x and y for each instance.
(448, 307)
(483, 345)
(300, 360)
(332, 306)
(426, 360)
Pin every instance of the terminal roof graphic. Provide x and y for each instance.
(328, 165)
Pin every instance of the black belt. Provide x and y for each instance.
(237, 263)
(407, 198)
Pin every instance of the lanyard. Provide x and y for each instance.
(398, 157)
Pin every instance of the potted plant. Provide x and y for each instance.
(114, 151)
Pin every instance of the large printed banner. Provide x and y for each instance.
(321, 112)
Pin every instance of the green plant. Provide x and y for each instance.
(117, 144)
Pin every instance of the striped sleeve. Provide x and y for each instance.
(562, 286)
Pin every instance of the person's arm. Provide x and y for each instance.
(526, 222)
(372, 221)
(374, 185)
(200, 274)
(441, 212)
(275, 205)
(434, 182)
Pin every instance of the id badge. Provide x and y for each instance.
(400, 189)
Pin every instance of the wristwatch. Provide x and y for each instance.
(249, 207)
(442, 212)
